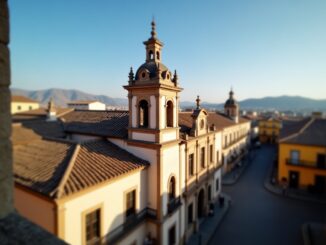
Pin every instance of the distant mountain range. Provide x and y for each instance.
(62, 96)
(281, 103)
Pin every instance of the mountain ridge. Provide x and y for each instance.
(285, 102)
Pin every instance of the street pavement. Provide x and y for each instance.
(257, 216)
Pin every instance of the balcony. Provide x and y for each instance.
(307, 164)
(235, 141)
(174, 204)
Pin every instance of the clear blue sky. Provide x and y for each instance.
(260, 47)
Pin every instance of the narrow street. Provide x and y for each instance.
(259, 217)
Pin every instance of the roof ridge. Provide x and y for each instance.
(59, 190)
(59, 140)
(302, 129)
(65, 112)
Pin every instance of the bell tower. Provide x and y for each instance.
(231, 107)
(153, 94)
(153, 46)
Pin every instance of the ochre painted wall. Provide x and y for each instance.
(36, 209)
(268, 129)
(307, 154)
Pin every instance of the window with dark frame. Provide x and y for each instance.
(169, 114)
(190, 213)
(130, 203)
(321, 160)
(93, 228)
(217, 157)
(172, 189)
(217, 184)
(209, 194)
(191, 165)
(202, 157)
(172, 236)
(143, 113)
(211, 153)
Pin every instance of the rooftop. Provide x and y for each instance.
(60, 168)
(19, 98)
(309, 131)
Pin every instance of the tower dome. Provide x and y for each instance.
(231, 107)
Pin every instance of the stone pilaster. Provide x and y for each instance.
(6, 179)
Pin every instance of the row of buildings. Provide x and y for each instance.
(301, 150)
(21, 104)
(126, 177)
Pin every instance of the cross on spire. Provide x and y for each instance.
(153, 32)
(198, 102)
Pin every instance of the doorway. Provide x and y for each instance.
(320, 184)
(294, 179)
(200, 206)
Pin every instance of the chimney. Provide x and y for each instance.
(52, 112)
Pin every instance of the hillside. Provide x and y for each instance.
(62, 96)
(281, 103)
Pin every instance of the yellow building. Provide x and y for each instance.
(302, 155)
(269, 130)
(21, 103)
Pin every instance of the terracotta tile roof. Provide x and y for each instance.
(31, 130)
(309, 131)
(39, 113)
(40, 164)
(21, 135)
(218, 119)
(101, 123)
(58, 169)
(99, 161)
(19, 98)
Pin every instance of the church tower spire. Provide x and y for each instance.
(153, 93)
(153, 46)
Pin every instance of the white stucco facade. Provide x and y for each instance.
(94, 105)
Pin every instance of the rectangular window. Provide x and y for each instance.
(295, 156)
(209, 196)
(225, 141)
(93, 228)
(19, 108)
(172, 238)
(130, 203)
(202, 157)
(217, 184)
(217, 158)
(190, 214)
(211, 153)
(321, 161)
(191, 166)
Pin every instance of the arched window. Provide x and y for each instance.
(157, 55)
(151, 55)
(172, 188)
(169, 114)
(143, 113)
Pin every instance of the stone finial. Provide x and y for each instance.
(231, 92)
(198, 102)
(175, 77)
(153, 32)
(131, 76)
